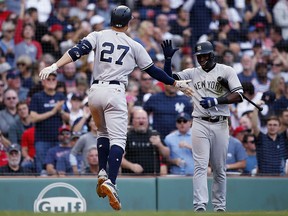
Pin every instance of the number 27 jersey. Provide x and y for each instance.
(116, 55)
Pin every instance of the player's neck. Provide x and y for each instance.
(123, 29)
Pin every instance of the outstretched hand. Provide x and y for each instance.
(183, 86)
(44, 73)
(168, 51)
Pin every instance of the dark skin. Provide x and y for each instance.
(203, 60)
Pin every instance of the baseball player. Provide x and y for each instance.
(210, 120)
(116, 55)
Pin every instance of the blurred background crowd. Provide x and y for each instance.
(251, 36)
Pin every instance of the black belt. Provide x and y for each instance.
(214, 118)
(110, 82)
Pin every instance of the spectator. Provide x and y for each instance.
(76, 110)
(147, 88)
(13, 167)
(68, 76)
(277, 70)
(80, 125)
(164, 8)
(248, 72)
(251, 161)
(257, 11)
(63, 165)
(14, 82)
(236, 156)
(281, 103)
(7, 42)
(21, 124)
(4, 143)
(145, 38)
(170, 102)
(271, 148)
(83, 144)
(162, 22)
(2, 85)
(46, 112)
(8, 115)
(24, 38)
(104, 9)
(261, 82)
(54, 153)
(283, 120)
(93, 164)
(28, 149)
(97, 23)
(144, 148)
(4, 68)
(280, 14)
(24, 66)
(179, 143)
(44, 7)
(61, 14)
(79, 10)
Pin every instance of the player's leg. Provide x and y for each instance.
(218, 162)
(103, 143)
(116, 116)
(201, 152)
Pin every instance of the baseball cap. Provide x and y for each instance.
(97, 19)
(239, 129)
(14, 147)
(68, 28)
(4, 66)
(12, 75)
(184, 116)
(63, 4)
(76, 96)
(63, 128)
(55, 27)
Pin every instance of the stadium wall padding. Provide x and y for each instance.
(137, 194)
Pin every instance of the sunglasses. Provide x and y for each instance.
(2, 85)
(21, 64)
(277, 65)
(182, 120)
(252, 141)
(66, 133)
(146, 79)
(11, 98)
(10, 31)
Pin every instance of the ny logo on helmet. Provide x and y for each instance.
(199, 48)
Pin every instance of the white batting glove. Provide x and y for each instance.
(44, 73)
(183, 86)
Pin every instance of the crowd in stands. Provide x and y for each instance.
(46, 126)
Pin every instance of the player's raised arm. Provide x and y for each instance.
(73, 54)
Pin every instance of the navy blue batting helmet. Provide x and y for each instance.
(120, 16)
(204, 48)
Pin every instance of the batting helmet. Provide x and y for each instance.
(203, 48)
(120, 16)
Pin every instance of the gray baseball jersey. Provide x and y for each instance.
(205, 85)
(121, 51)
(210, 139)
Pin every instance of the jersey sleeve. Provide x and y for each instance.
(185, 74)
(233, 80)
(142, 58)
(92, 38)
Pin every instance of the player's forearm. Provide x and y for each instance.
(159, 75)
(230, 99)
(167, 67)
(65, 59)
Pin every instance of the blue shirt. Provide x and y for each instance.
(251, 163)
(46, 130)
(243, 78)
(172, 141)
(165, 110)
(271, 155)
(236, 151)
(55, 153)
(63, 163)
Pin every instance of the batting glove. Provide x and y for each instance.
(208, 102)
(168, 51)
(44, 73)
(183, 86)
